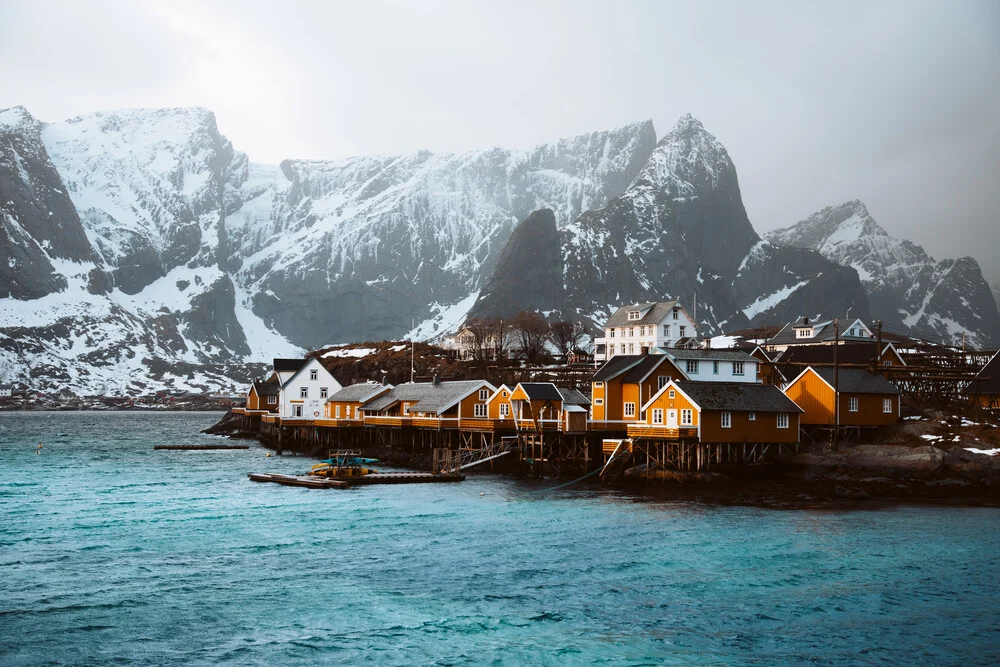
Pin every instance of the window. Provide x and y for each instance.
(623, 348)
(484, 394)
(642, 331)
(670, 393)
(687, 417)
(782, 420)
(887, 363)
(887, 405)
(272, 400)
(803, 333)
(611, 333)
(597, 385)
(692, 366)
(633, 314)
(504, 392)
(504, 410)
(683, 331)
(304, 392)
(313, 374)
(296, 410)
(631, 331)
(715, 367)
(752, 417)
(479, 410)
(661, 381)
(631, 348)
(727, 419)
(666, 331)
(657, 415)
(598, 401)
(324, 392)
(630, 409)
(852, 404)
(737, 368)
(676, 310)
(336, 411)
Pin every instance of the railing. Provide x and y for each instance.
(608, 424)
(544, 424)
(339, 423)
(642, 430)
(383, 421)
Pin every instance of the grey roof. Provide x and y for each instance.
(617, 365)
(541, 391)
(573, 397)
(858, 381)
(427, 396)
(823, 331)
(657, 312)
(292, 365)
(738, 396)
(709, 355)
(267, 388)
(359, 392)
(646, 366)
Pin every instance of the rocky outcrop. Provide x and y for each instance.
(907, 289)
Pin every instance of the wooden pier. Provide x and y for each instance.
(308, 481)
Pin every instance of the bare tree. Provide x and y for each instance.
(532, 332)
(499, 338)
(475, 336)
(566, 335)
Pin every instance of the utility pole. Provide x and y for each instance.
(836, 383)
(878, 346)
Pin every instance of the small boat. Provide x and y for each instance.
(343, 465)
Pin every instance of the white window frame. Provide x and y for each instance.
(631, 331)
(676, 311)
(671, 393)
(629, 409)
(692, 366)
(887, 363)
(504, 410)
(611, 333)
(887, 406)
(598, 401)
(657, 415)
(324, 392)
(296, 410)
(597, 385)
(484, 394)
(661, 381)
(738, 368)
(666, 331)
(272, 400)
(631, 348)
(313, 374)
(782, 420)
(681, 330)
(726, 419)
(852, 403)
(752, 417)
(687, 417)
(479, 411)
(633, 314)
(715, 368)
(336, 412)
(623, 348)
(303, 392)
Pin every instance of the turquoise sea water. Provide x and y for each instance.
(112, 553)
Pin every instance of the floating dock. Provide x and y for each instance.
(199, 447)
(314, 482)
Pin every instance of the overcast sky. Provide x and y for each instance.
(895, 103)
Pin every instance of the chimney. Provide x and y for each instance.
(436, 380)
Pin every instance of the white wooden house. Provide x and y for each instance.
(641, 327)
(304, 394)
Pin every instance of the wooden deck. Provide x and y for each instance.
(661, 432)
(313, 482)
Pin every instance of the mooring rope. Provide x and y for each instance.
(553, 488)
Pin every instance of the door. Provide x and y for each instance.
(672, 418)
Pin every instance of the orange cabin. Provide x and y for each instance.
(866, 399)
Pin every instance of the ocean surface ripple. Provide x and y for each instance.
(112, 553)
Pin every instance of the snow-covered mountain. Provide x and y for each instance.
(680, 230)
(909, 290)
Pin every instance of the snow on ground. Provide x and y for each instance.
(723, 342)
(444, 319)
(988, 452)
(352, 352)
(766, 303)
(265, 343)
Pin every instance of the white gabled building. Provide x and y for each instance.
(641, 327)
(304, 394)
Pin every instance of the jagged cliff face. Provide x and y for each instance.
(907, 288)
(680, 230)
(359, 248)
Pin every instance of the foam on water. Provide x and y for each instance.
(111, 552)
